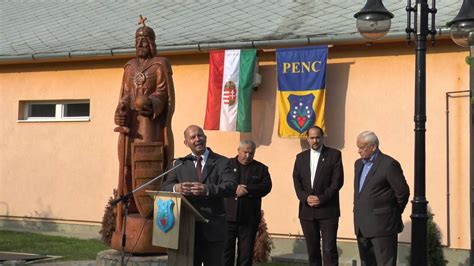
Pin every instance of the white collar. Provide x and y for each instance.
(204, 155)
(318, 150)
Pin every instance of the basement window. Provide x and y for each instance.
(63, 110)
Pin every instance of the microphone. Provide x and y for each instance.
(185, 158)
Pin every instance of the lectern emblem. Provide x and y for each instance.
(164, 215)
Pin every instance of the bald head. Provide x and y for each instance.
(195, 139)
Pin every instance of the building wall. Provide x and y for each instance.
(67, 170)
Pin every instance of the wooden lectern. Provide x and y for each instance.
(177, 236)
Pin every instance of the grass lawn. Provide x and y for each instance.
(68, 248)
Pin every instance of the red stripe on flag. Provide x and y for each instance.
(214, 92)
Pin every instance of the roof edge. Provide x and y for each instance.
(343, 39)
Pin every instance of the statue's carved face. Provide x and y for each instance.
(142, 45)
(145, 42)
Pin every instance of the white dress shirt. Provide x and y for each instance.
(204, 156)
(314, 159)
(204, 159)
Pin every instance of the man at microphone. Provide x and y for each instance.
(205, 181)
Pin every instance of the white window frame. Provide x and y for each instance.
(59, 111)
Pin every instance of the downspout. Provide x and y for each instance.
(448, 192)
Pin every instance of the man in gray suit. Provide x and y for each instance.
(380, 196)
(205, 181)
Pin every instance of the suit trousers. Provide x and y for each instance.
(245, 233)
(378, 250)
(313, 231)
(208, 252)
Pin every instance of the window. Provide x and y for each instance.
(64, 110)
(76, 110)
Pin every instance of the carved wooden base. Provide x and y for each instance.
(139, 236)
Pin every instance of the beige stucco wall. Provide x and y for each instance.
(67, 170)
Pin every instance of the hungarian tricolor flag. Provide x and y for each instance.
(229, 96)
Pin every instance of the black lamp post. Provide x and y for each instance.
(462, 33)
(419, 216)
(419, 250)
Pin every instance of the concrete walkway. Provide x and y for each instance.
(66, 263)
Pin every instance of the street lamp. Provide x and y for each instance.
(462, 33)
(463, 24)
(373, 20)
(419, 216)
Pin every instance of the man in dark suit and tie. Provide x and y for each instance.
(380, 196)
(243, 210)
(318, 176)
(205, 182)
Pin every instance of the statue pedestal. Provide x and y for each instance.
(112, 257)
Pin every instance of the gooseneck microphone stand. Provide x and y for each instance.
(126, 200)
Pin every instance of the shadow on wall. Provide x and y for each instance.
(264, 109)
(405, 235)
(336, 92)
(299, 246)
(4, 209)
(35, 222)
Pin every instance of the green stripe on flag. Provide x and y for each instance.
(246, 72)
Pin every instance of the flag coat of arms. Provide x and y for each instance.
(229, 96)
(301, 89)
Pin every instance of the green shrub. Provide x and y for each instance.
(263, 243)
(435, 250)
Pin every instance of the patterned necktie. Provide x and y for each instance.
(199, 168)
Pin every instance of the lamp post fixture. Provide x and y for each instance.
(462, 33)
(373, 20)
(419, 216)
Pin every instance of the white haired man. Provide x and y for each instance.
(380, 196)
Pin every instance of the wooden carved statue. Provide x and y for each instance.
(145, 146)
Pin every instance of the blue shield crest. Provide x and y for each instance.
(164, 215)
(301, 115)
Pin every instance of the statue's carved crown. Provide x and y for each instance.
(144, 31)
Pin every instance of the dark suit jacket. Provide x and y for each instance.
(220, 183)
(380, 204)
(246, 209)
(328, 181)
